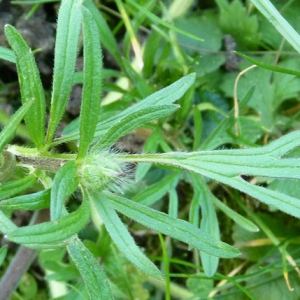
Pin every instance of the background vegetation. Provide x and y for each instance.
(147, 46)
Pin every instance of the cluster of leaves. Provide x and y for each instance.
(200, 122)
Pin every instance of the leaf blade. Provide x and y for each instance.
(30, 85)
(52, 232)
(7, 134)
(64, 184)
(122, 238)
(132, 121)
(92, 75)
(68, 28)
(176, 228)
(94, 277)
(36, 201)
(14, 187)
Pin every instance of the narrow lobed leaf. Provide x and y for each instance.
(269, 67)
(132, 121)
(92, 77)
(30, 85)
(8, 132)
(54, 231)
(237, 218)
(163, 97)
(122, 237)
(6, 225)
(107, 37)
(36, 201)
(7, 54)
(156, 191)
(65, 183)
(3, 251)
(175, 228)
(7, 165)
(68, 29)
(12, 188)
(209, 223)
(262, 161)
(92, 274)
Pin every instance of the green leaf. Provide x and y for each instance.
(269, 67)
(33, 1)
(92, 274)
(220, 135)
(163, 97)
(122, 237)
(8, 132)
(237, 218)
(30, 85)
(7, 165)
(175, 228)
(154, 192)
(150, 146)
(132, 121)
(264, 161)
(236, 21)
(107, 37)
(152, 42)
(91, 93)
(56, 232)
(139, 81)
(227, 166)
(36, 201)
(209, 223)
(14, 187)
(65, 183)
(6, 225)
(7, 54)
(68, 29)
(3, 251)
(173, 202)
(208, 29)
(162, 22)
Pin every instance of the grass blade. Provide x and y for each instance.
(269, 67)
(237, 218)
(157, 20)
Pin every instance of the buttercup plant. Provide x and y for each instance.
(100, 172)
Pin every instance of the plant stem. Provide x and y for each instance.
(17, 268)
(20, 264)
(32, 158)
